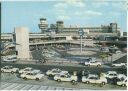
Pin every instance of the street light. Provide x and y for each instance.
(111, 57)
(81, 33)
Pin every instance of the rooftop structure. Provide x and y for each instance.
(43, 25)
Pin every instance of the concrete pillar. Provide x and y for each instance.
(22, 42)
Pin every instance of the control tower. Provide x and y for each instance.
(43, 25)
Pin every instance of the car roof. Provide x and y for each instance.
(28, 68)
(31, 73)
(63, 72)
(55, 69)
(92, 75)
(112, 72)
(7, 66)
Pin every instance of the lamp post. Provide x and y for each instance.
(81, 33)
(111, 58)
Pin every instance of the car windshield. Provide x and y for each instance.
(28, 69)
(5, 67)
(93, 78)
(115, 74)
(56, 71)
(9, 67)
(31, 74)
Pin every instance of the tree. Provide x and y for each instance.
(103, 55)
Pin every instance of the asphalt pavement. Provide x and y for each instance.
(13, 82)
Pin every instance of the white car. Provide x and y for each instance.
(9, 69)
(118, 52)
(121, 76)
(91, 78)
(66, 77)
(122, 82)
(118, 64)
(111, 74)
(93, 63)
(32, 76)
(55, 72)
(9, 60)
(28, 70)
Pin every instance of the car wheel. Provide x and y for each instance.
(58, 80)
(103, 83)
(12, 72)
(73, 81)
(123, 66)
(2, 71)
(87, 82)
(25, 78)
(123, 85)
(37, 79)
(113, 65)
(50, 75)
(98, 65)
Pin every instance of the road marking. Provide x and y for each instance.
(27, 87)
(20, 87)
(35, 87)
(11, 86)
(2, 84)
(7, 84)
(43, 88)
(51, 88)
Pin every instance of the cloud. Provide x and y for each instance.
(76, 3)
(68, 3)
(60, 5)
(60, 11)
(120, 5)
(100, 4)
(87, 13)
(63, 17)
(93, 13)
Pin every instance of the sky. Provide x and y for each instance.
(73, 12)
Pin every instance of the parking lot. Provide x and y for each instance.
(14, 82)
(47, 83)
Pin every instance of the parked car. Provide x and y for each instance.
(122, 82)
(9, 69)
(9, 60)
(28, 70)
(53, 72)
(32, 75)
(85, 72)
(118, 64)
(93, 63)
(66, 77)
(118, 52)
(91, 78)
(111, 74)
(121, 76)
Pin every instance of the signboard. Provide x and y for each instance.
(81, 32)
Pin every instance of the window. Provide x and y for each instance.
(114, 74)
(62, 76)
(111, 74)
(92, 78)
(26, 69)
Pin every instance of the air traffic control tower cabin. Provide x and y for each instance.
(22, 42)
(43, 25)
